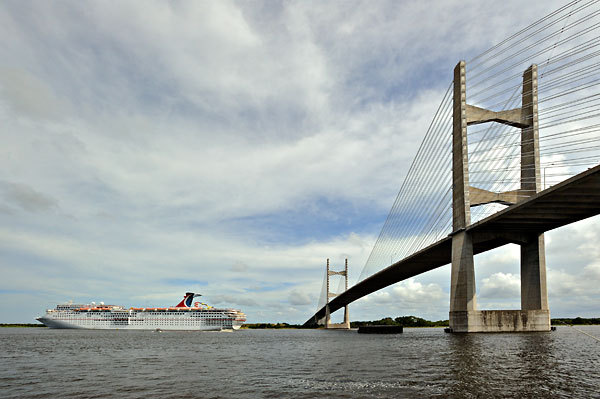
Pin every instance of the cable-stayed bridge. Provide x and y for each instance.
(527, 164)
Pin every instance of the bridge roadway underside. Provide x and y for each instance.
(574, 199)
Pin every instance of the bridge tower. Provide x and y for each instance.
(464, 315)
(328, 323)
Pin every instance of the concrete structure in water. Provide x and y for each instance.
(328, 323)
(464, 315)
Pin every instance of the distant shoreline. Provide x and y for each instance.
(412, 321)
(23, 325)
(404, 321)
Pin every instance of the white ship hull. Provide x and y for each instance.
(110, 317)
(72, 324)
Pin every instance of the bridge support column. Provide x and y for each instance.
(462, 286)
(534, 294)
(464, 316)
(462, 293)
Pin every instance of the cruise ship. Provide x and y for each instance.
(187, 315)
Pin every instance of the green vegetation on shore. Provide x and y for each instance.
(21, 325)
(405, 321)
(577, 321)
(413, 321)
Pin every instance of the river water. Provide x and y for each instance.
(420, 363)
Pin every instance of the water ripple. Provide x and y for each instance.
(421, 363)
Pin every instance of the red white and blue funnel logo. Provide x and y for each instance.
(187, 300)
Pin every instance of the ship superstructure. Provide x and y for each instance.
(187, 315)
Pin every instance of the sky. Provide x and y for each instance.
(150, 148)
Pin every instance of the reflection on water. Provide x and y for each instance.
(420, 363)
(464, 363)
(502, 364)
(553, 364)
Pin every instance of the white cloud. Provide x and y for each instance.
(239, 267)
(501, 285)
(299, 298)
(592, 272)
(26, 198)
(411, 291)
(25, 94)
(408, 297)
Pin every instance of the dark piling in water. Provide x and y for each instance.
(380, 329)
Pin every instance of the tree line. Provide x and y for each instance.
(413, 321)
(578, 321)
(404, 321)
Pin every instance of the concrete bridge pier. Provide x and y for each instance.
(464, 315)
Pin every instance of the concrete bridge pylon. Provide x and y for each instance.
(464, 314)
(346, 323)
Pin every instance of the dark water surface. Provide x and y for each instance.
(424, 363)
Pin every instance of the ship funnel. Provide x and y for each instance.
(187, 300)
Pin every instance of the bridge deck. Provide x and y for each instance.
(573, 200)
